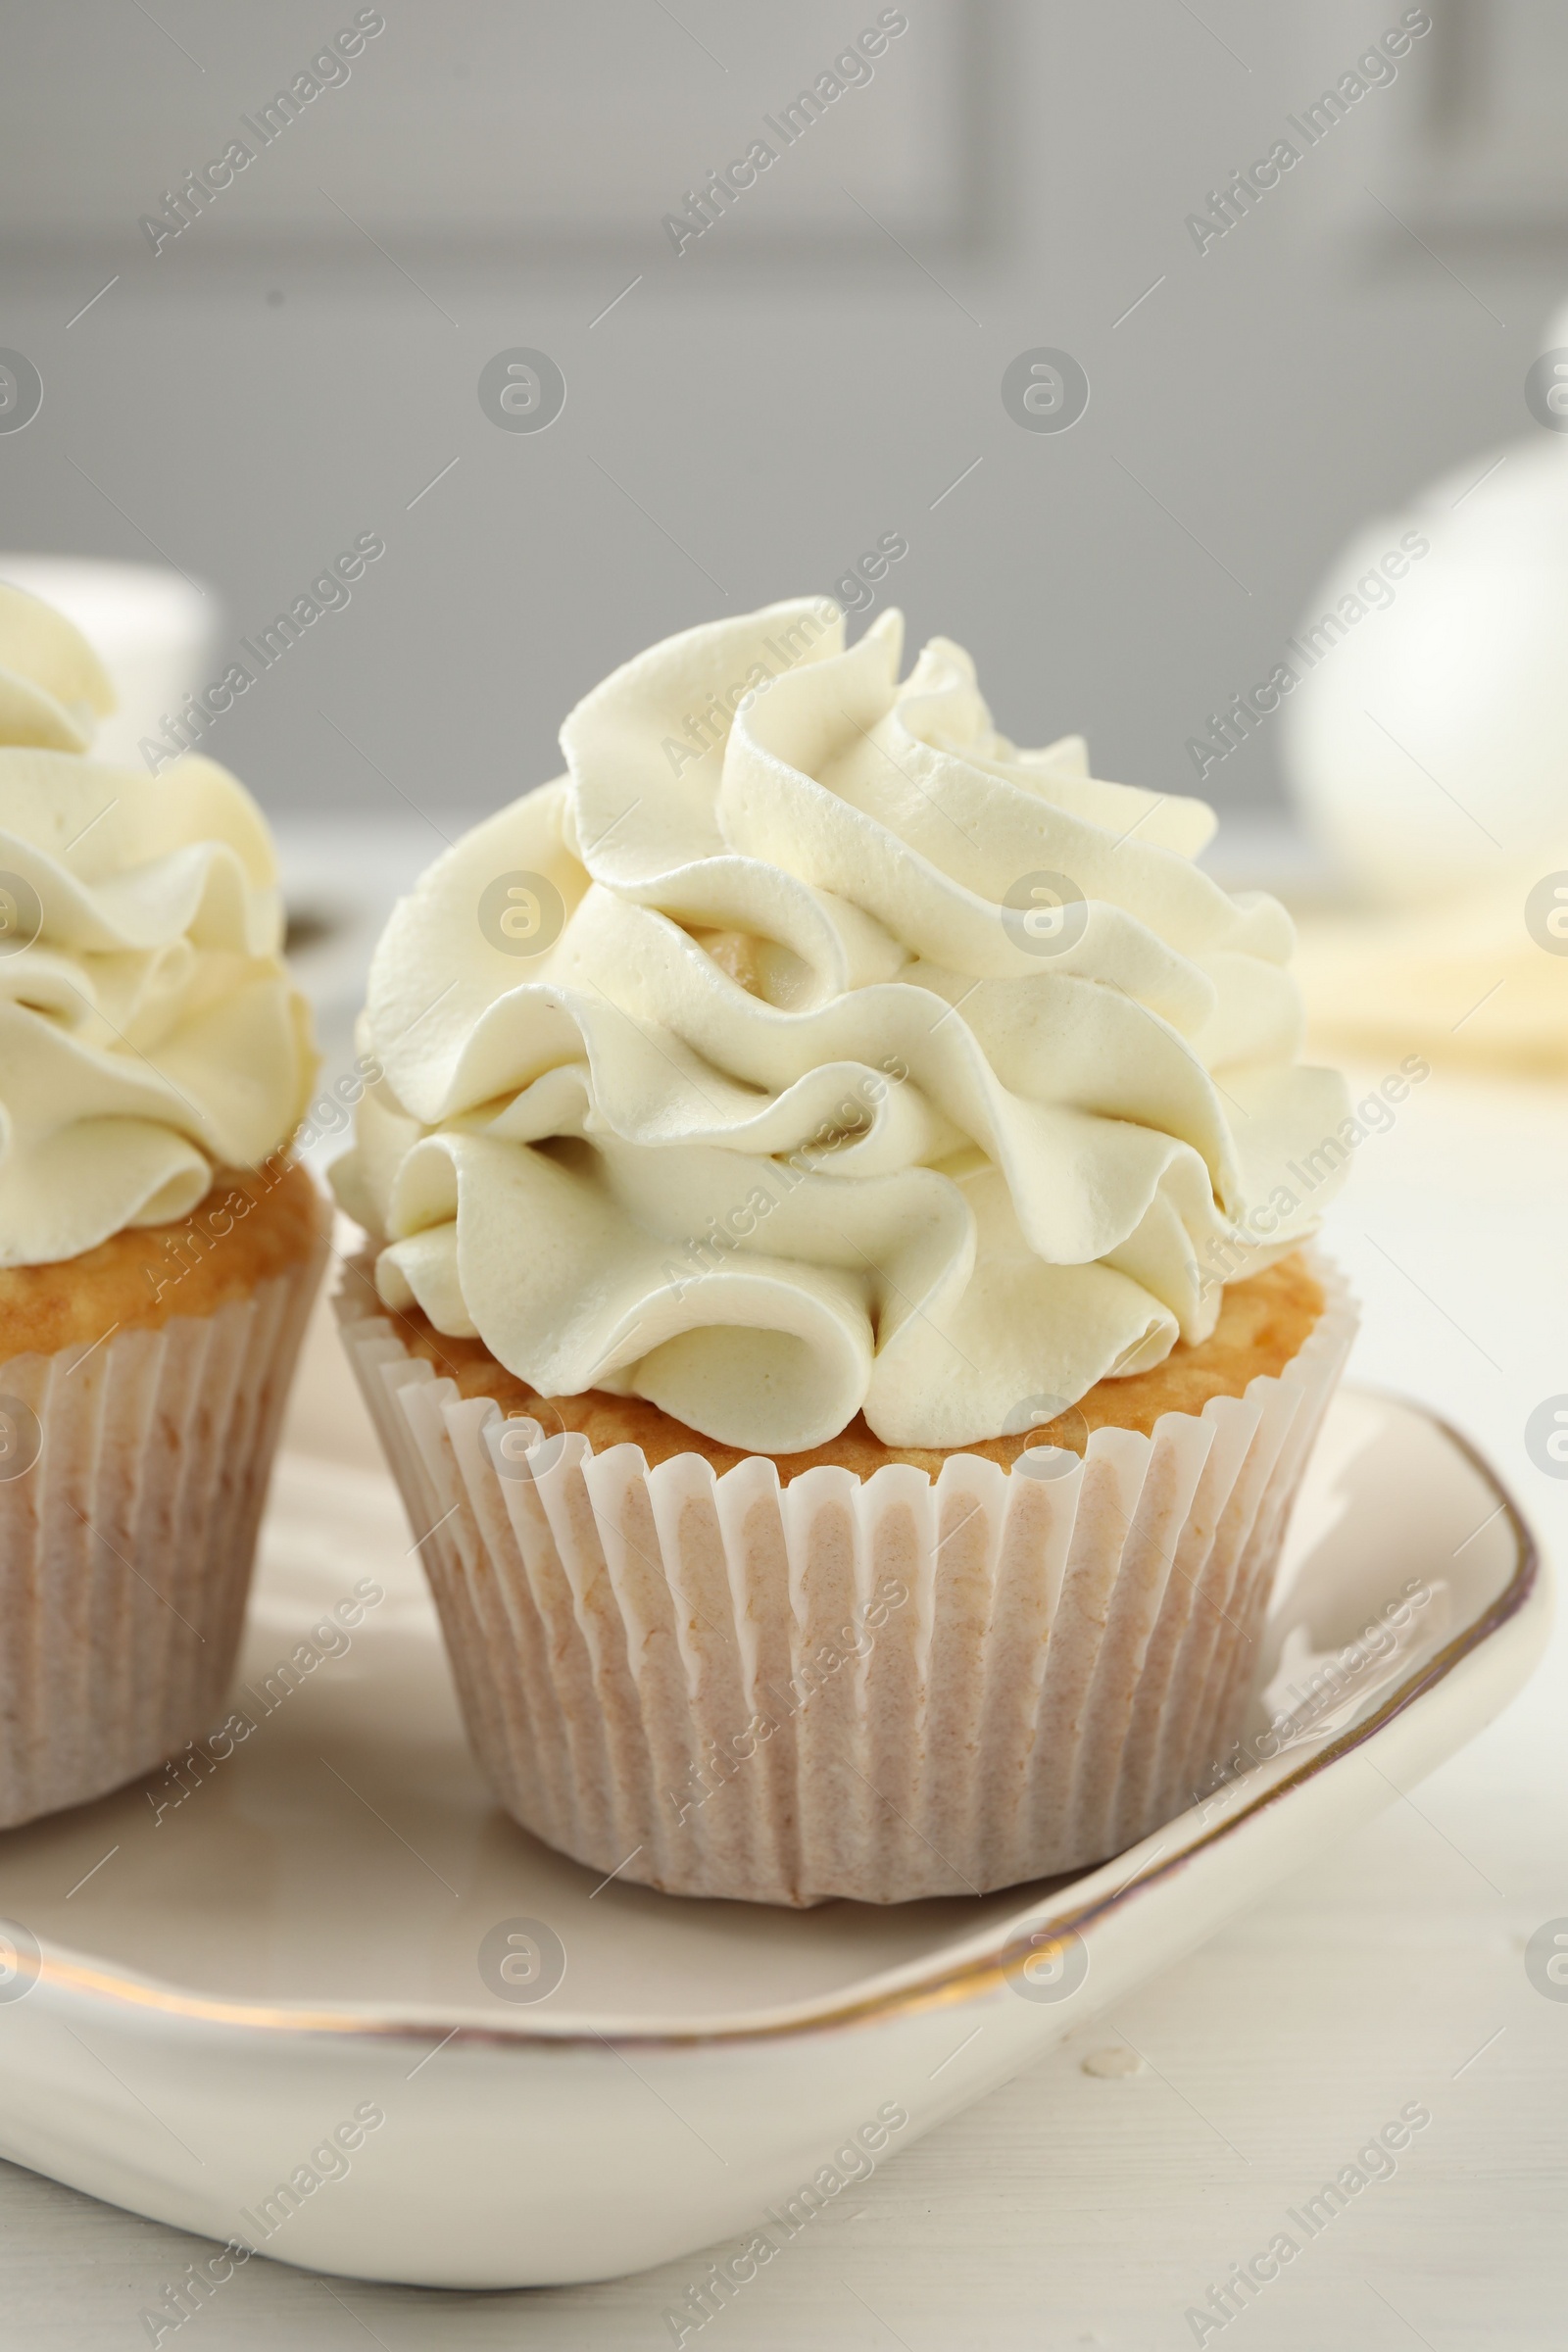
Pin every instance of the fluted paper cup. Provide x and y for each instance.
(132, 1476)
(882, 1687)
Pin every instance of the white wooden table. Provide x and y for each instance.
(1076, 2208)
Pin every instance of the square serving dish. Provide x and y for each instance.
(310, 1992)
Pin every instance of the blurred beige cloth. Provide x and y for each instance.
(1462, 981)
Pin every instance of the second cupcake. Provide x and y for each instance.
(159, 1251)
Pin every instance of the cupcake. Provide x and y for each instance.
(159, 1249)
(839, 1298)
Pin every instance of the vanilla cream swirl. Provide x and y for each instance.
(752, 1068)
(148, 1032)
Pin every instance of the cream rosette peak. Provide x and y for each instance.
(808, 1050)
(148, 1031)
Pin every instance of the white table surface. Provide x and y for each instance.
(1080, 2209)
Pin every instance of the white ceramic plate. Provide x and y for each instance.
(230, 1988)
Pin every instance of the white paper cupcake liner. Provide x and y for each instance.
(879, 1689)
(126, 1544)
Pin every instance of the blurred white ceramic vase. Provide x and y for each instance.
(153, 630)
(1428, 743)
